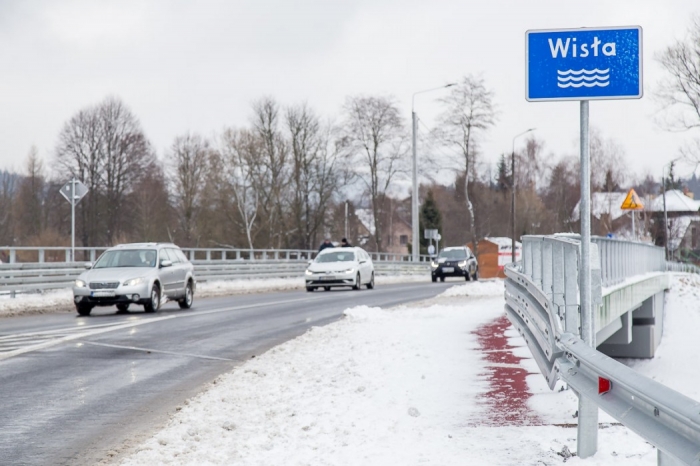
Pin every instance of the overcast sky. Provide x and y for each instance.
(197, 65)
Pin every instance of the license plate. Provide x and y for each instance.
(448, 269)
(328, 277)
(103, 294)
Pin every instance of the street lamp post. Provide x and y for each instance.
(512, 192)
(415, 253)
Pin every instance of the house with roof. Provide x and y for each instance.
(608, 217)
(395, 237)
(683, 224)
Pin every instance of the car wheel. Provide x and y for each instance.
(370, 285)
(475, 277)
(434, 278)
(327, 288)
(442, 279)
(310, 288)
(154, 302)
(83, 309)
(186, 302)
(357, 284)
(466, 277)
(123, 307)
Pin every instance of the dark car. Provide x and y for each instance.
(455, 261)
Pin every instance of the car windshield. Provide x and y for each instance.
(453, 254)
(336, 256)
(127, 258)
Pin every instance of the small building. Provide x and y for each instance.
(494, 253)
(683, 214)
(607, 214)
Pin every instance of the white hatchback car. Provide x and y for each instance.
(340, 267)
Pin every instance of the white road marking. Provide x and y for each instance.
(149, 350)
(75, 336)
(81, 332)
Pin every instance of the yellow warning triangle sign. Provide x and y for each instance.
(632, 202)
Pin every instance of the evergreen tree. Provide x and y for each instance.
(672, 182)
(504, 180)
(430, 218)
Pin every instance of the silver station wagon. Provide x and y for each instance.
(138, 273)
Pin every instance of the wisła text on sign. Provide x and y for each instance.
(584, 64)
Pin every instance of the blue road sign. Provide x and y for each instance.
(584, 64)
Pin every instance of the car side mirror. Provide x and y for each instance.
(166, 263)
(88, 265)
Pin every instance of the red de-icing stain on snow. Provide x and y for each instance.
(508, 393)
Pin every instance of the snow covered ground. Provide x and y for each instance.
(407, 386)
(410, 385)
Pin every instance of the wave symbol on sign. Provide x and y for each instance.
(583, 77)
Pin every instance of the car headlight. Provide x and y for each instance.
(348, 271)
(434, 265)
(80, 284)
(134, 281)
(462, 264)
(309, 272)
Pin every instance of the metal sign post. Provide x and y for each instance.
(584, 64)
(73, 191)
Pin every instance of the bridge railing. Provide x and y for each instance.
(542, 303)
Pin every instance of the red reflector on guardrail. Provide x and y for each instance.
(604, 385)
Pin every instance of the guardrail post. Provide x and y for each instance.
(223, 255)
(558, 279)
(13, 256)
(547, 267)
(571, 294)
(537, 262)
(41, 256)
(527, 256)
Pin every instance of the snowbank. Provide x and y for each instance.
(405, 386)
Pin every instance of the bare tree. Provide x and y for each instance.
(531, 166)
(468, 112)
(125, 154)
(8, 186)
(29, 203)
(272, 180)
(681, 91)
(104, 147)
(316, 174)
(240, 150)
(188, 163)
(376, 142)
(152, 209)
(78, 155)
(607, 163)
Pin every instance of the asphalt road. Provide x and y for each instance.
(81, 390)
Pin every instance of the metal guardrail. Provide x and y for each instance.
(41, 254)
(682, 267)
(22, 277)
(542, 303)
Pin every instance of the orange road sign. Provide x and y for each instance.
(632, 202)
